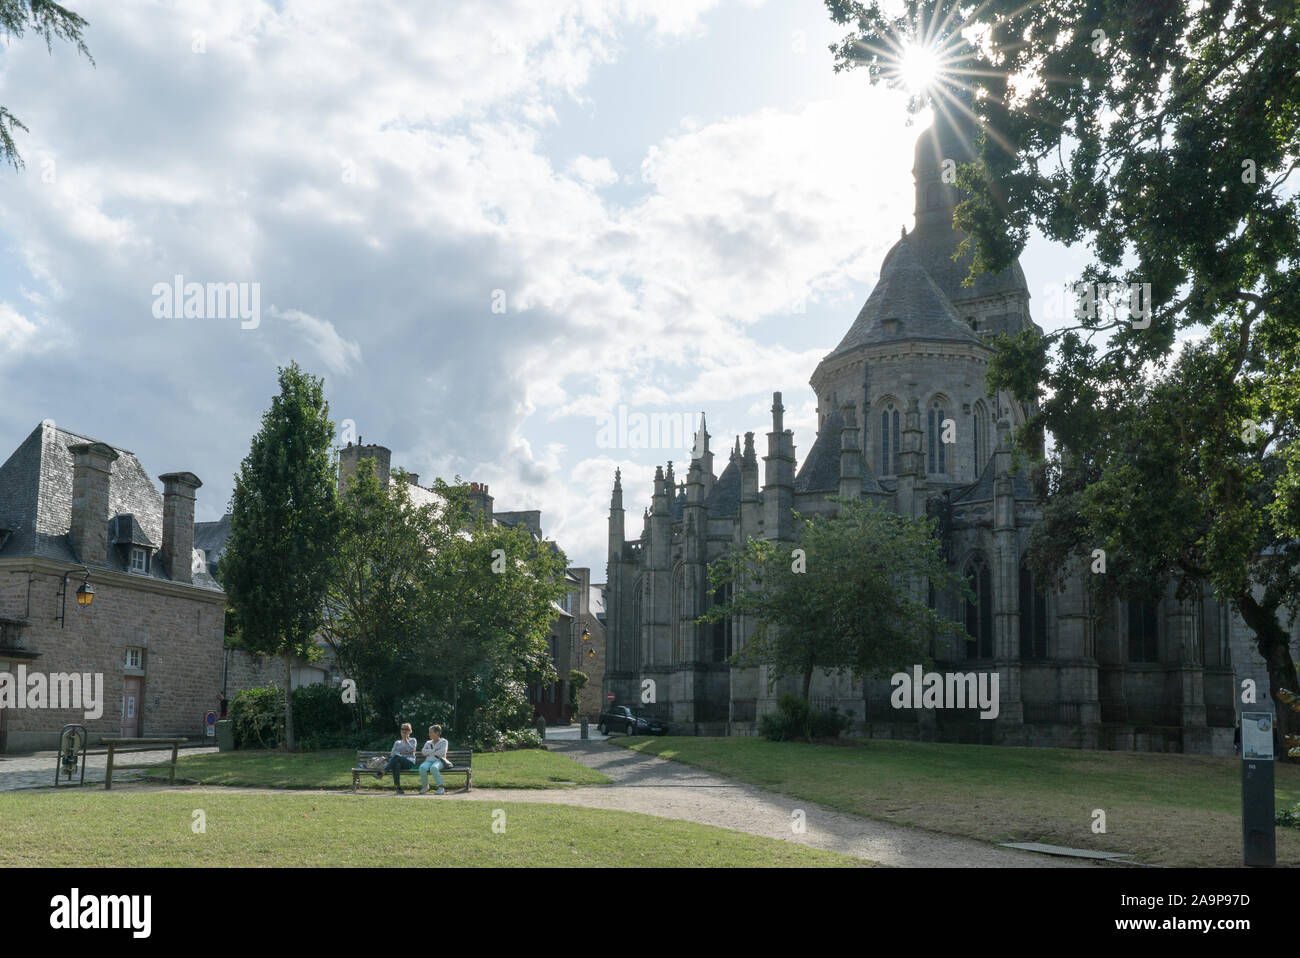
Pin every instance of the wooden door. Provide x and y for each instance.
(132, 686)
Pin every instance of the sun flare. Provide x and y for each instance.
(918, 67)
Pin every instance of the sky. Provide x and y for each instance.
(492, 228)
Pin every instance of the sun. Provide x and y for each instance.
(918, 67)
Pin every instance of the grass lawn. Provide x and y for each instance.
(1164, 809)
(523, 768)
(96, 829)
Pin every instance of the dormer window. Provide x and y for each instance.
(890, 327)
(139, 560)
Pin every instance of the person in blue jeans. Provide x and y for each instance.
(435, 760)
(401, 758)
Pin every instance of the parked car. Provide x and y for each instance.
(620, 718)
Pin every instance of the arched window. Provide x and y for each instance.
(679, 595)
(887, 441)
(1143, 641)
(1033, 618)
(937, 454)
(720, 644)
(979, 610)
(1214, 636)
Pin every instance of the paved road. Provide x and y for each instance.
(37, 770)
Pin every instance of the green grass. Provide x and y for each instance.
(1164, 809)
(137, 829)
(523, 768)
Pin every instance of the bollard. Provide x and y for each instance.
(584, 726)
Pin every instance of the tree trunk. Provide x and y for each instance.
(1275, 646)
(289, 742)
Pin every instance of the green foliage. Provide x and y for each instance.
(284, 525)
(1288, 817)
(1164, 138)
(422, 710)
(794, 719)
(858, 607)
(577, 682)
(323, 718)
(417, 607)
(47, 20)
(257, 717)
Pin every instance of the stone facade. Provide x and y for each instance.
(76, 510)
(905, 420)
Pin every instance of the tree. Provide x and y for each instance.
(382, 618)
(856, 608)
(284, 528)
(49, 20)
(1164, 137)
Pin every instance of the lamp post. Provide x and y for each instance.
(85, 595)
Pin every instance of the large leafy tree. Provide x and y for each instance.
(284, 528)
(854, 601)
(1164, 136)
(48, 20)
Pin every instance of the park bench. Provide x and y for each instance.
(461, 760)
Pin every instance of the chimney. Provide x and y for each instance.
(480, 501)
(92, 464)
(178, 525)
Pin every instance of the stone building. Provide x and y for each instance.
(74, 511)
(905, 420)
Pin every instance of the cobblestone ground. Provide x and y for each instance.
(37, 770)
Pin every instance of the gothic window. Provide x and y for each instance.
(1214, 637)
(720, 632)
(1033, 618)
(1142, 636)
(679, 591)
(978, 429)
(887, 442)
(937, 453)
(979, 610)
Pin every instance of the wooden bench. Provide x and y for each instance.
(461, 760)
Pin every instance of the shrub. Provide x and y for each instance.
(1288, 817)
(521, 738)
(319, 713)
(795, 719)
(257, 717)
(422, 710)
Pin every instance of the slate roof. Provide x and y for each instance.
(212, 537)
(724, 497)
(906, 293)
(981, 490)
(36, 502)
(821, 469)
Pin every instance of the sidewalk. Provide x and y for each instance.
(37, 770)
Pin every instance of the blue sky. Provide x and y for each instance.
(681, 204)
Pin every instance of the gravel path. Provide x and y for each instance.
(656, 786)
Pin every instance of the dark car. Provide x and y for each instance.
(620, 718)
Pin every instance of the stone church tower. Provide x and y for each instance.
(905, 419)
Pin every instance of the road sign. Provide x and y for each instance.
(609, 696)
(210, 723)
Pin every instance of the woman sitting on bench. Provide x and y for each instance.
(400, 758)
(435, 760)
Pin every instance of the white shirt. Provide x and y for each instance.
(436, 750)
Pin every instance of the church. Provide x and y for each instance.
(905, 420)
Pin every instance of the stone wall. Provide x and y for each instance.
(178, 627)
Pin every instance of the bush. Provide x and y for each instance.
(522, 738)
(257, 717)
(320, 712)
(1288, 817)
(795, 719)
(422, 710)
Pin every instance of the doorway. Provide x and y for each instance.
(132, 686)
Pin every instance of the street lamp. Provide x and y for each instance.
(85, 595)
